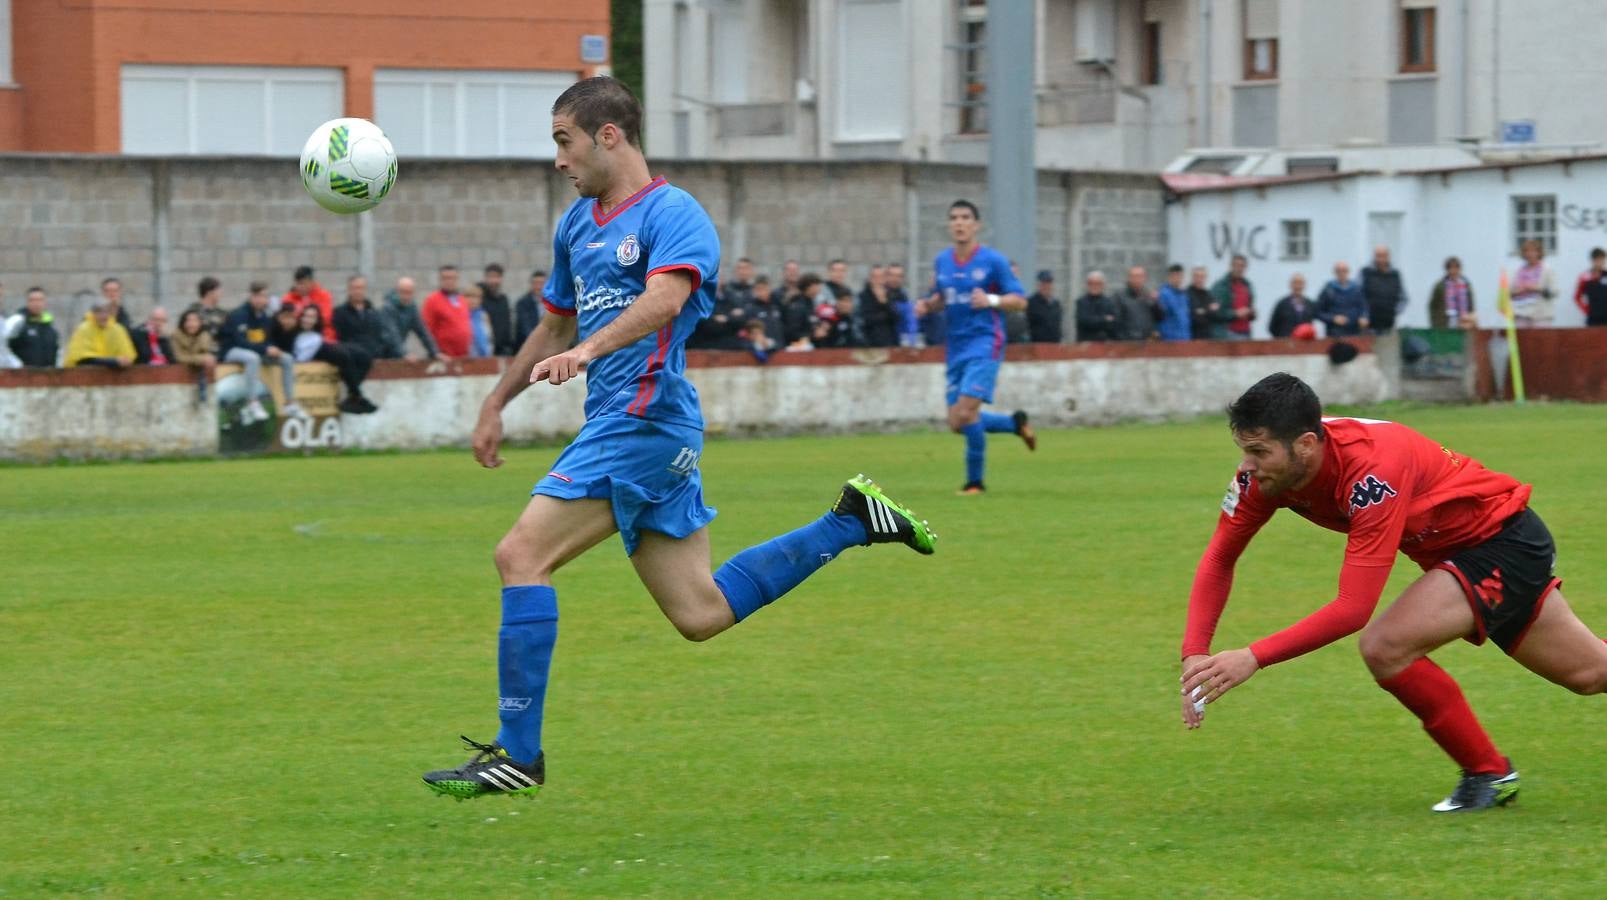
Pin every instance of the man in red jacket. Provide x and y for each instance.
(305, 290)
(1487, 561)
(446, 315)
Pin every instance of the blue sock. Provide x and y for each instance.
(998, 423)
(524, 653)
(758, 575)
(976, 450)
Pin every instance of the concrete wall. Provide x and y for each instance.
(160, 225)
(81, 413)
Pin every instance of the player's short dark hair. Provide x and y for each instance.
(493, 267)
(1597, 253)
(1281, 404)
(966, 204)
(302, 272)
(1174, 267)
(597, 101)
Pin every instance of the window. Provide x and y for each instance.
(1535, 217)
(451, 112)
(1417, 37)
(1260, 39)
(973, 100)
(728, 53)
(871, 71)
(1214, 165)
(226, 109)
(1310, 165)
(1150, 71)
(1296, 239)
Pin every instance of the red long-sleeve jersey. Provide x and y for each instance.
(1388, 488)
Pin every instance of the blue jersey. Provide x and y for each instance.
(973, 333)
(601, 265)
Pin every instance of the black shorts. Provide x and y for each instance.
(1506, 579)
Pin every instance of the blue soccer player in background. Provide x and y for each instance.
(634, 267)
(975, 285)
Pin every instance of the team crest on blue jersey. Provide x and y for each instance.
(979, 274)
(628, 251)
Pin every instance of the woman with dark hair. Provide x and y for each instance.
(193, 346)
(1450, 304)
(308, 344)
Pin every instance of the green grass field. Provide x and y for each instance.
(224, 678)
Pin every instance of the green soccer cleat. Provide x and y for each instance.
(885, 521)
(489, 771)
(1476, 792)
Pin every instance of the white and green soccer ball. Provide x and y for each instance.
(348, 165)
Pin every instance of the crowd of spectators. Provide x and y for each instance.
(797, 311)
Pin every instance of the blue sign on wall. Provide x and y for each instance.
(593, 48)
(1520, 131)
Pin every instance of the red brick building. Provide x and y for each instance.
(250, 77)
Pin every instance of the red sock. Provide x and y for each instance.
(1432, 695)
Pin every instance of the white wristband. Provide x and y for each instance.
(993, 300)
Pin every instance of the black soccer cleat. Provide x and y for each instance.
(1476, 792)
(972, 488)
(885, 520)
(489, 771)
(1024, 430)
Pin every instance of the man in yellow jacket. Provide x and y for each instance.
(100, 341)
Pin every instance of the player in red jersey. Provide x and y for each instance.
(1487, 561)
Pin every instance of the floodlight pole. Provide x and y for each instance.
(1012, 210)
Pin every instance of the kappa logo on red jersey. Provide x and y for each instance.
(1236, 489)
(1368, 492)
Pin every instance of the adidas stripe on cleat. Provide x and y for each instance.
(885, 520)
(490, 771)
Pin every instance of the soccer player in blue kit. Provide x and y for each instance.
(634, 267)
(974, 284)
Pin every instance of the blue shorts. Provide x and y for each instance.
(646, 468)
(973, 377)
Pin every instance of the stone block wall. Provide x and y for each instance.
(162, 224)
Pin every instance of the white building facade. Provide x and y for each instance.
(1121, 84)
(1478, 214)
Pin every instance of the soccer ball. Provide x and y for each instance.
(348, 165)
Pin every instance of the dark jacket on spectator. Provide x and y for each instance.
(399, 321)
(1346, 301)
(526, 316)
(719, 330)
(878, 320)
(772, 316)
(361, 326)
(797, 317)
(247, 329)
(143, 352)
(1207, 323)
(1045, 319)
(1222, 291)
(1098, 318)
(1137, 314)
(499, 311)
(1289, 312)
(1386, 297)
(37, 343)
(935, 324)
